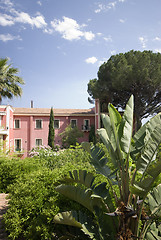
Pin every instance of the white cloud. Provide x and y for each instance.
(48, 30)
(102, 61)
(15, 16)
(157, 39)
(71, 30)
(105, 7)
(112, 4)
(99, 34)
(143, 41)
(121, 0)
(158, 50)
(9, 37)
(39, 3)
(6, 20)
(37, 21)
(108, 39)
(89, 36)
(7, 3)
(113, 52)
(91, 60)
(122, 20)
(100, 8)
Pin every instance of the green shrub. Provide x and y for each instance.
(34, 201)
(70, 136)
(12, 169)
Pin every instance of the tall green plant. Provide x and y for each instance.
(70, 136)
(92, 135)
(127, 207)
(51, 135)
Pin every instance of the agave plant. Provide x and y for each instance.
(126, 206)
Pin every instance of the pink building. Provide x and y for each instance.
(25, 128)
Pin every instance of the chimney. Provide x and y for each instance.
(32, 104)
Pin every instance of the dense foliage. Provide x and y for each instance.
(117, 197)
(51, 134)
(134, 72)
(70, 136)
(31, 186)
(9, 81)
(42, 152)
(92, 135)
(12, 169)
(132, 168)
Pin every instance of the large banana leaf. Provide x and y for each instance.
(84, 197)
(87, 179)
(88, 225)
(115, 119)
(80, 176)
(109, 130)
(109, 145)
(152, 140)
(80, 220)
(154, 201)
(153, 233)
(126, 126)
(67, 219)
(98, 159)
(138, 141)
(142, 187)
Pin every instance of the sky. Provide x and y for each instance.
(58, 45)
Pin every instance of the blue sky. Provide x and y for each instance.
(58, 45)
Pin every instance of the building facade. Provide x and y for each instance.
(22, 129)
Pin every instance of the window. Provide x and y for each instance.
(73, 123)
(39, 123)
(38, 142)
(17, 123)
(86, 124)
(56, 124)
(18, 146)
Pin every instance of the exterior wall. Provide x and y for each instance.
(28, 133)
(10, 128)
(6, 127)
(97, 114)
(22, 132)
(63, 123)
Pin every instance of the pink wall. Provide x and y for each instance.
(97, 114)
(28, 132)
(11, 136)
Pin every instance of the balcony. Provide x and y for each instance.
(3, 130)
(85, 128)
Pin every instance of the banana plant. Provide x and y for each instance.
(123, 207)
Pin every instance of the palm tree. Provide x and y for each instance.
(9, 81)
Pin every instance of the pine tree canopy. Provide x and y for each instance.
(124, 74)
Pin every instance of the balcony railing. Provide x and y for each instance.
(85, 128)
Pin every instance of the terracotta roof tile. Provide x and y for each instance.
(57, 112)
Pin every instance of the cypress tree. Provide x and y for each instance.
(51, 134)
